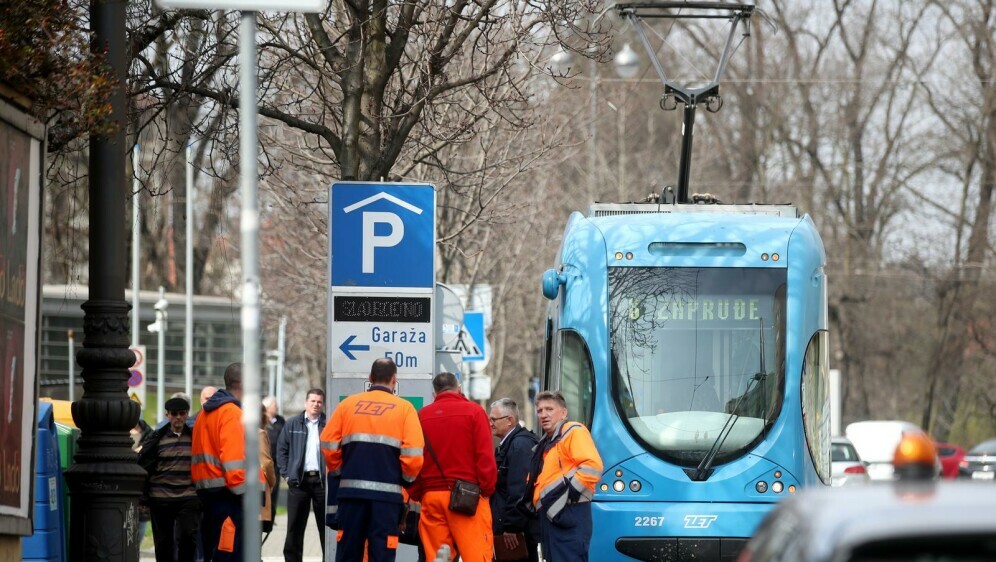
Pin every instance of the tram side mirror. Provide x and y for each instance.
(551, 283)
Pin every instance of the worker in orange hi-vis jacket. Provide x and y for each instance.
(373, 449)
(218, 469)
(458, 447)
(565, 468)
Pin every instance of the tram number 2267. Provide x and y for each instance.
(648, 521)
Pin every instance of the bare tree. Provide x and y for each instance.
(444, 94)
(969, 153)
(851, 142)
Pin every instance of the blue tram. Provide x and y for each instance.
(692, 340)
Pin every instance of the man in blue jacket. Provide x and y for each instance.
(299, 460)
(513, 456)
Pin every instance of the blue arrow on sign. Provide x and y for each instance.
(347, 347)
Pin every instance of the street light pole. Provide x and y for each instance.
(159, 328)
(627, 65)
(593, 131)
(104, 481)
(136, 324)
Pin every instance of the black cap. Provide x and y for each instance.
(177, 404)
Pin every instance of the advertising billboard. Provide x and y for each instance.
(20, 239)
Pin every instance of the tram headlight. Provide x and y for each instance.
(761, 486)
(777, 487)
(618, 485)
(618, 255)
(635, 486)
(604, 487)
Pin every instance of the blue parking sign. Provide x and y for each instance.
(382, 234)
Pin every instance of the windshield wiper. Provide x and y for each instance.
(703, 471)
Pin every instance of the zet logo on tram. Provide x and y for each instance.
(699, 521)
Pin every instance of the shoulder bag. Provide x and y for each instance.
(464, 495)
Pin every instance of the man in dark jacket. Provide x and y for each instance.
(515, 449)
(274, 425)
(169, 490)
(299, 460)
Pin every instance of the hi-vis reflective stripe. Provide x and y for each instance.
(550, 487)
(581, 488)
(590, 471)
(370, 485)
(557, 488)
(415, 507)
(234, 465)
(371, 438)
(570, 427)
(561, 503)
(210, 483)
(411, 451)
(407, 478)
(206, 459)
(557, 507)
(577, 485)
(584, 470)
(331, 509)
(330, 445)
(547, 491)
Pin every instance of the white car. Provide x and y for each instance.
(876, 442)
(846, 467)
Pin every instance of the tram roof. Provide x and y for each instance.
(614, 209)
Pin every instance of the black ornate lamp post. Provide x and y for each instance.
(105, 481)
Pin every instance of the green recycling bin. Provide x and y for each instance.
(67, 450)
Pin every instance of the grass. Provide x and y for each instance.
(147, 542)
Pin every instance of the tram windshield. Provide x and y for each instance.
(698, 357)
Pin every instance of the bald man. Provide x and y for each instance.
(206, 393)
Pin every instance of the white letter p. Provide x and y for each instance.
(372, 241)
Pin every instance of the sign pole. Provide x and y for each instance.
(188, 321)
(249, 230)
(249, 227)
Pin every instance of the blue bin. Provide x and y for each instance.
(48, 541)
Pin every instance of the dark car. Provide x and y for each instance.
(951, 521)
(979, 462)
(950, 456)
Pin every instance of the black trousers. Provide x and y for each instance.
(175, 525)
(307, 496)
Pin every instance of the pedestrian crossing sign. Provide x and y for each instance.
(472, 343)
